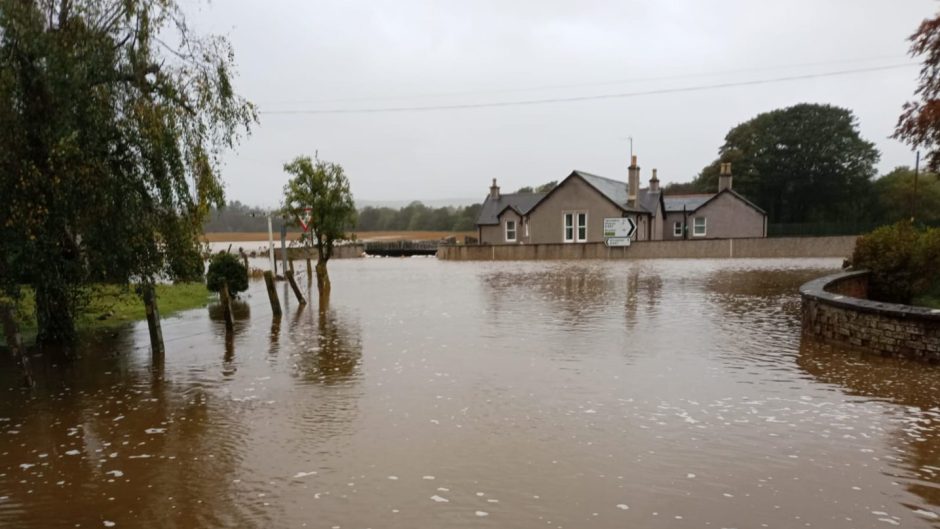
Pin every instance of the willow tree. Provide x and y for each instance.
(320, 189)
(113, 117)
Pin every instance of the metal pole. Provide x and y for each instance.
(284, 247)
(271, 242)
(914, 198)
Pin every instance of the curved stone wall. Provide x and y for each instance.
(835, 310)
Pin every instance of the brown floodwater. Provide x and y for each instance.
(667, 394)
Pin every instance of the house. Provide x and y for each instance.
(575, 209)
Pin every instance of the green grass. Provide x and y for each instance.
(112, 306)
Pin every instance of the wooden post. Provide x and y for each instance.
(290, 262)
(226, 299)
(15, 342)
(293, 286)
(153, 322)
(272, 294)
(309, 272)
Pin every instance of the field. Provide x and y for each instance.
(367, 236)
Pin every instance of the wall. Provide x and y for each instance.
(833, 315)
(729, 217)
(574, 194)
(703, 249)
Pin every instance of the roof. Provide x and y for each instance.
(678, 203)
(686, 202)
(520, 202)
(616, 192)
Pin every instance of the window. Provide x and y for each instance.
(582, 227)
(698, 226)
(677, 229)
(575, 227)
(510, 231)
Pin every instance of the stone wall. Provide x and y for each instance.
(700, 249)
(835, 311)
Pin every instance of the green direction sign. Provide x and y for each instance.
(619, 227)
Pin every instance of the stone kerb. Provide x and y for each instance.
(836, 311)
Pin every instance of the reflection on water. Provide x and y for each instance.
(430, 394)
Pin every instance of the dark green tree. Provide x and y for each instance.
(324, 188)
(897, 199)
(227, 268)
(113, 116)
(805, 163)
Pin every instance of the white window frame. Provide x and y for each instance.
(695, 226)
(677, 229)
(565, 226)
(514, 229)
(575, 226)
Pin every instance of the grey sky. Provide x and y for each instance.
(346, 55)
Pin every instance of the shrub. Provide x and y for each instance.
(902, 259)
(226, 267)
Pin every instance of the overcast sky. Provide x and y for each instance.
(304, 56)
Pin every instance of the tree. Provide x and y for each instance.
(113, 117)
(805, 163)
(324, 188)
(226, 268)
(919, 123)
(897, 199)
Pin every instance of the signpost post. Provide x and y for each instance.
(619, 231)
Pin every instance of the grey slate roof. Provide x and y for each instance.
(521, 202)
(688, 202)
(616, 192)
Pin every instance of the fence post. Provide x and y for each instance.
(293, 286)
(226, 300)
(272, 293)
(309, 271)
(153, 322)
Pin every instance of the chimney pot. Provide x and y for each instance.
(633, 182)
(724, 177)
(654, 183)
(494, 191)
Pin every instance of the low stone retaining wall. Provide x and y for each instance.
(689, 249)
(835, 311)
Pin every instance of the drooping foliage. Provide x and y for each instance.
(805, 163)
(919, 123)
(226, 268)
(113, 116)
(323, 188)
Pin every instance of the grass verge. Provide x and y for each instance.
(113, 305)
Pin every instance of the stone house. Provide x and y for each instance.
(575, 209)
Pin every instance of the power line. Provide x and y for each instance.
(572, 99)
(671, 77)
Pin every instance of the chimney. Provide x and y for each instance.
(633, 182)
(724, 177)
(654, 183)
(494, 191)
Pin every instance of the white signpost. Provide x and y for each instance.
(619, 231)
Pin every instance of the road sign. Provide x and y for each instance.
(617, 241)
(619, 227)
(305, 219)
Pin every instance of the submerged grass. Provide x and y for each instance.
(114, 305)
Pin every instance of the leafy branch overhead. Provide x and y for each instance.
(113, 120)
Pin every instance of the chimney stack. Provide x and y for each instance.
(494, 191)
(654, 183)
(724, 177)
(633, 182)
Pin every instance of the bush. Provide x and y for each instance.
(227, 267)
(902, 259)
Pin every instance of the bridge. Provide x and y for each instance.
(401, 248)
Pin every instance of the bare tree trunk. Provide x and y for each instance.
(15, 342)
(323, 277)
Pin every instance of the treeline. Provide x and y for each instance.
(418, 217)
(239, 217)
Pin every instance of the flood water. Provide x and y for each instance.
(436, 394)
